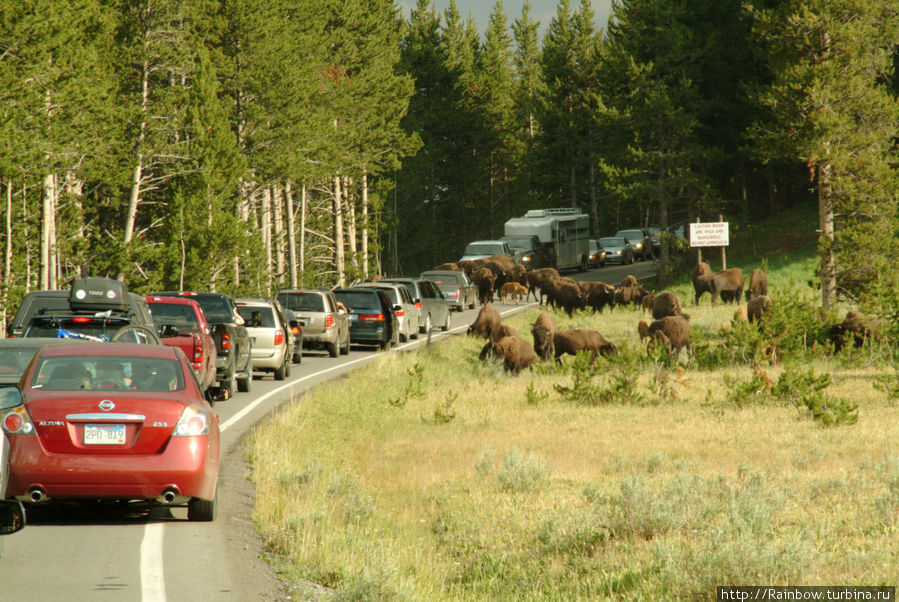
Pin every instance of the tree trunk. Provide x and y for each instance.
(365, 261)
(594, 208)
(137, 172)
(278, 217)
(266, 231)
(291, 236)
(303, 228)
(339, 257)
(53, 269)
(825, 212)
(351, 234)
(7, 260)
(46, 212)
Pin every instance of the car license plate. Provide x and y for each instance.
(104, 434)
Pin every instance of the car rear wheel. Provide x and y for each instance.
(245, 383)
(281, 371)
(447, 323)
(228, 387)
(201, 510)
(427, 325)
(332, 349)
(345, 349)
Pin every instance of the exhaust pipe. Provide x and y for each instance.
(37, 495)
(168, 497)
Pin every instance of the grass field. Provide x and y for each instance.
(432, 476)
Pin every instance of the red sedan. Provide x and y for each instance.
(112, 421)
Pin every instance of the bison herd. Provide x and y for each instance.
(670, 325)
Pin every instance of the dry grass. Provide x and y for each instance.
(449, 480)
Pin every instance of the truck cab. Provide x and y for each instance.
(480, 249)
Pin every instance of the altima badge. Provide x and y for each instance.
(107, 405)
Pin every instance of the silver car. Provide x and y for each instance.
(618, 249)
(435, 308)
(324, 324)
(408, 315)
(269, 330)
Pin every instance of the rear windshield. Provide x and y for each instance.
(98, 373)
(78, 327)
(363, 300)
(256, 316)
(14, 360)
(443, 278)
(215, 307)
(302, 301)
(173, 314)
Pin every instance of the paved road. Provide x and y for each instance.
(101, 553)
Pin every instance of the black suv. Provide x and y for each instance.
(641, 241)
(94, 309)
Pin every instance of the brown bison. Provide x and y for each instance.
(484, 279)
(512, 289)
(728, 284)
(517, 354)
(503, 330)
(468, 266)
(855, 327)
(643, 329)
(626, 295)
(758, 284)
(449, 266)
(487, 323)
(543, 331)
(647, 301)
(518, 274)
(578, 339)
(666, 304)
(599, 294)
(757, 308)
(565, 293)
(673, 332)
(702, 279)
(629, 281)
(537, 279)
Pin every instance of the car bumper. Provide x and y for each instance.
(317, 339)
(267, 358)
(189, 466)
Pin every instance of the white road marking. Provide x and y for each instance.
(152, 578)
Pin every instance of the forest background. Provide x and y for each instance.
(249, 145)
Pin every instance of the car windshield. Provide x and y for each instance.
(74, 373)
(611, 242)
(518, 243)
(76, 327)
(180, 316)
(302, 301)
(482, 248)
(257, 316)
(359, 300)
(630, 234)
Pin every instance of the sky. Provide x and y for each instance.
(541, 10)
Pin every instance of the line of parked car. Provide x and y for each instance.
(107, 395)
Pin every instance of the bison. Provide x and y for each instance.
(702, 279)
(503, 330)
(757, 308)
(487, 322)
(484, 279)
(666, 304)
(673, 332)
(728, 284)
(578, 339)
(512, 289)
(599, 294)
(517, 354)
(758, 284)
(544, 331)
(565, 293)
(855, 327)
(538, 278)
(625, 295)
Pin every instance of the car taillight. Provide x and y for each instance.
(226, 341)
(194, 422)
(279, 337)
(198, 349)
(418, 305)
(400, 313)
(17, 422)
(81, 320)
(453, 294)
(295, 330)
(329, 320)
(371, 317)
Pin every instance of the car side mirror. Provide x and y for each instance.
(12, 516)
(10, 397)
(397, 308)
(169, 330)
